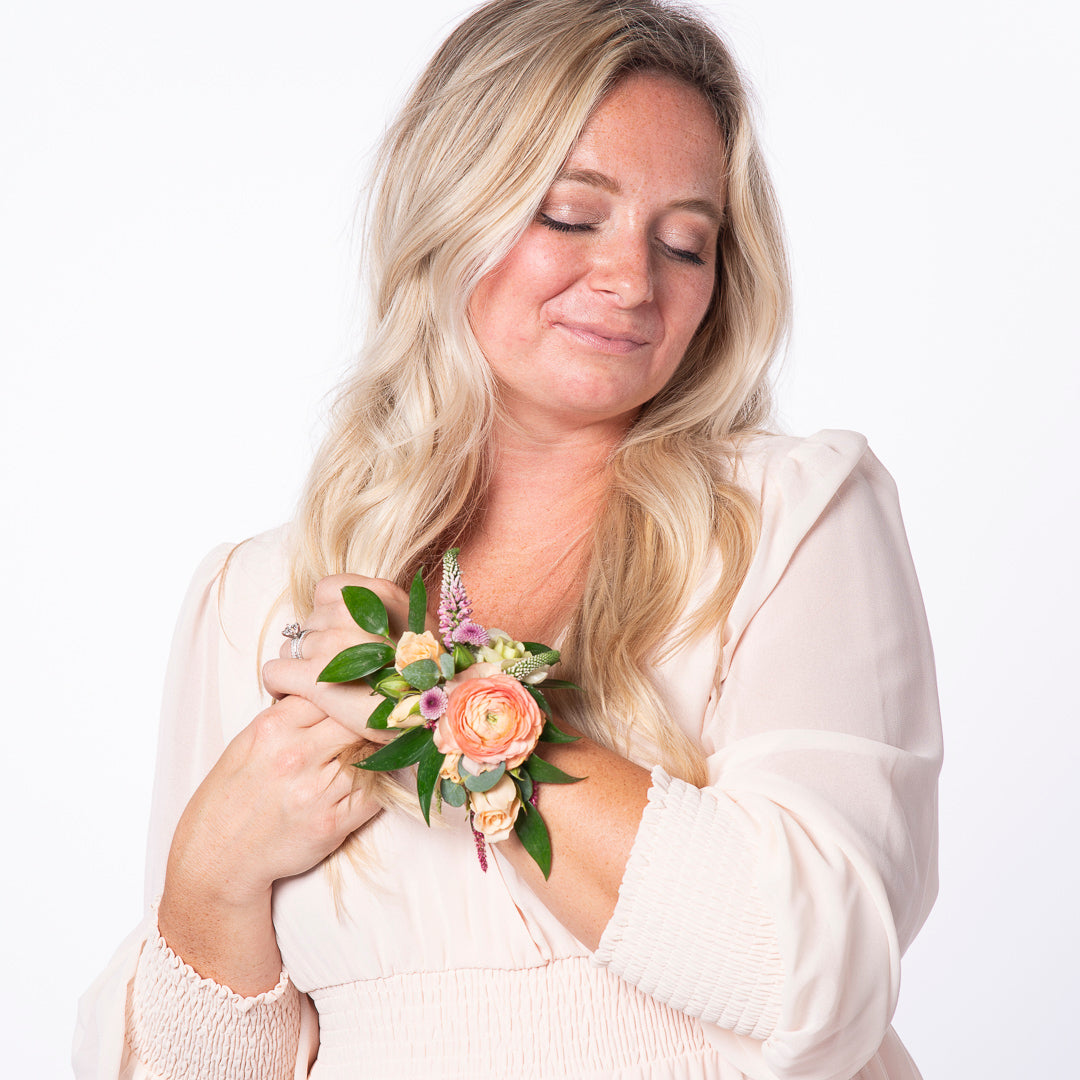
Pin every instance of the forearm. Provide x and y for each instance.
(228, 941)
(215, 920)
(593, 825)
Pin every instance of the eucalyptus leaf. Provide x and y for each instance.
(367, 610)
(422, 674)
(453, 794)
(484, 781)
(446, 665)
(533, 834)
(405, 750)
(543, 772)
(378, 718)
(356, 662)
(553, 735)
(417, 604)
(427, 775)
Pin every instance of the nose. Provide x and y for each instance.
(622, 268)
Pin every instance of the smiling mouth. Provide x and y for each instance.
(601, 340)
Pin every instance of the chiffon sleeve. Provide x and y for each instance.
(776, 902)
(211, 693)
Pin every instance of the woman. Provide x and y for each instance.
(578, 287)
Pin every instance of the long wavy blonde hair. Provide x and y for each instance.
(460, 175)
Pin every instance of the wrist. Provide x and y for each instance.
(221, 935)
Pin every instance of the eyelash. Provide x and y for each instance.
(584, 226)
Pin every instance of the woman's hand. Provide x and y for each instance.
(277, 802)
(332, 629)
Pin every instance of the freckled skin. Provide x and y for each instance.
(584, 323)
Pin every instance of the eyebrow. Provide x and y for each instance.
(592, 178)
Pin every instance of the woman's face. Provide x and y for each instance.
(590, 313)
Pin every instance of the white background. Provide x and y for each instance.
(177, 188)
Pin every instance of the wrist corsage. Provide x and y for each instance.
(469, 710)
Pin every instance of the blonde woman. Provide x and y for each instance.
(578, 286)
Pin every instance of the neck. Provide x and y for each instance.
(528, 546)
(540, 478)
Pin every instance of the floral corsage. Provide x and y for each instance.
(469, 709)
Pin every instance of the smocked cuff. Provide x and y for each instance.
(185, 1027)
(690, 927)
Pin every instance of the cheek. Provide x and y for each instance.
(509, 299)
(688, 303)
(540, 266)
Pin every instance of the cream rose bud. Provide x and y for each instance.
(494, 811)
(449, 768)
(412, 647)
(406, 713)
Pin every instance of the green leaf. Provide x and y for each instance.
(378, 718)
(540, 700)
(484, 781)
(543, 772)
(446, 665)
(559, 684)
(417, 604)
(553, 735)
(533, 834)
(356, 662)
(423, 674)
(524, 785)
(536, 648)
(405, 750)
(367, 610)
(453, 794)
(463, 658)
(427, 773)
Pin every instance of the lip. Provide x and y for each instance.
(601, 338)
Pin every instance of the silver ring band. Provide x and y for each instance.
(297, 648)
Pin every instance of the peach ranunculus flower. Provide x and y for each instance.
(480, 670)
(494, 811)
(490, 720)
(412, 647)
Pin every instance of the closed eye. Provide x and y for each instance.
(683, 256)
(679, 254)
(565, 226)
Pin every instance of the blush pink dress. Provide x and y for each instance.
(761, 919)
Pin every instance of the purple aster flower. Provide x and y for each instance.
(470, 633)
(433, 703)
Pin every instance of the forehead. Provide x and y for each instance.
(652, 129)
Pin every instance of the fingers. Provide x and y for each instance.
(318, 648)
(328, 598)
(295, 712)
(350, 704)
(357, 807)
(295, 737)
(328, 591)
(284, 676)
